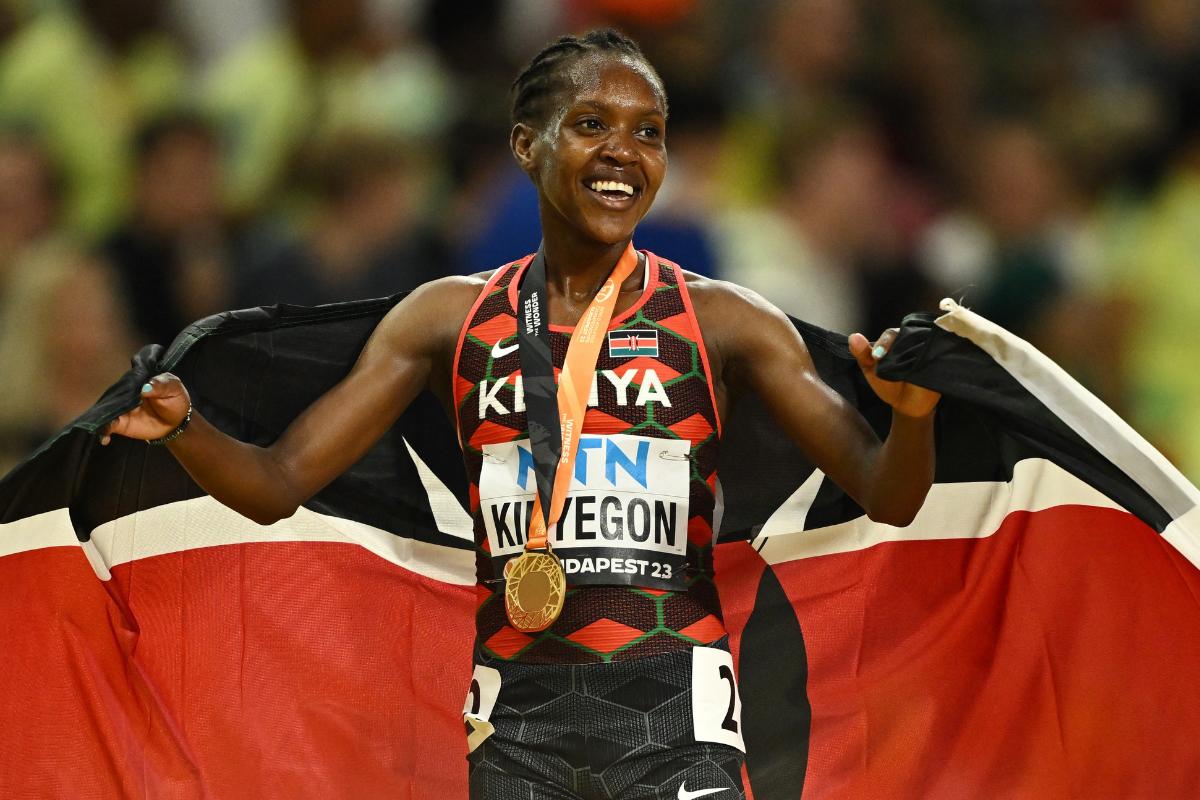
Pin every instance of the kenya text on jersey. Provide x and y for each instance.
(649, 388)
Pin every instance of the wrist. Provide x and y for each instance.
(177, 432)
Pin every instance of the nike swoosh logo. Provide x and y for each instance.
(684, 794)
(501, 352)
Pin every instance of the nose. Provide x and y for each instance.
(620, 148)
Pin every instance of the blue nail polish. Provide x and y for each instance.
(147, 388)
(879, 352)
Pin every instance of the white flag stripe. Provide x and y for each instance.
(1182, 535)
(203, 522)
(1098, 424)
(792, 515)
(448, 513)
(50, 529)
(952, 511)
(95, 559)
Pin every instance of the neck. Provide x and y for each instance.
(576, 271)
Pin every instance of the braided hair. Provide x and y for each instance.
(535, 91)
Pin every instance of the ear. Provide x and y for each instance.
(523, 141)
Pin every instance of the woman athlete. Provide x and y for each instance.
(630, 692)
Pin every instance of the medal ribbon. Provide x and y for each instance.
(555, 446)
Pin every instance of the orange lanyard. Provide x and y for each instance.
(574, 385)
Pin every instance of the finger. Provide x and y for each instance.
(155, 386)
(860, 348)
(117, 426)
(884, 343)
(161, 387)
(157, 395)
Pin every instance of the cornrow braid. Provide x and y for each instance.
(535, 90)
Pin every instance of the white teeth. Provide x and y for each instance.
(611, 186)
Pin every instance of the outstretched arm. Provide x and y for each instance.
(760, 349)
(267, 484)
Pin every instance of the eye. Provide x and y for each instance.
(650, 132)
(590, 124)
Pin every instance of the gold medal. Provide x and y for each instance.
(534, 590)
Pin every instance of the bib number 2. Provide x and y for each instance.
(716, 704)
(477, 710)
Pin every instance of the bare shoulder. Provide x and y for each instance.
(431, 316)
(721, 303)
(454, 289)
(741, 327)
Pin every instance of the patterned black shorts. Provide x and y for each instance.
(664, 727)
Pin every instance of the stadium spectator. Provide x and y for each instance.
(366, 236)
(1014, 250)
(326, 71)
(62, 336)
(173, 253)
(805, 250)
(798, 66)
(88, 74)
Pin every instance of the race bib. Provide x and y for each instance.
(624, 521)
(716, 704)
(481, 700)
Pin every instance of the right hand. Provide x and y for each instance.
(165, 403)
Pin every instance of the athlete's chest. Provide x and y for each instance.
(651, 371)
(634, 376)
(644, 456)
(565, 312)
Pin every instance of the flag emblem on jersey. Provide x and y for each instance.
(630, 343)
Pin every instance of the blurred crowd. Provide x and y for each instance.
(852, 160)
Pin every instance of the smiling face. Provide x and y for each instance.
(599, 160)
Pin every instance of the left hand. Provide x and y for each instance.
(904, 397)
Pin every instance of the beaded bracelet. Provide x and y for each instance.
(175, 434)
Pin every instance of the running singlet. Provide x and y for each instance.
(636, 533)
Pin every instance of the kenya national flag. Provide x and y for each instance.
(1034, 633)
